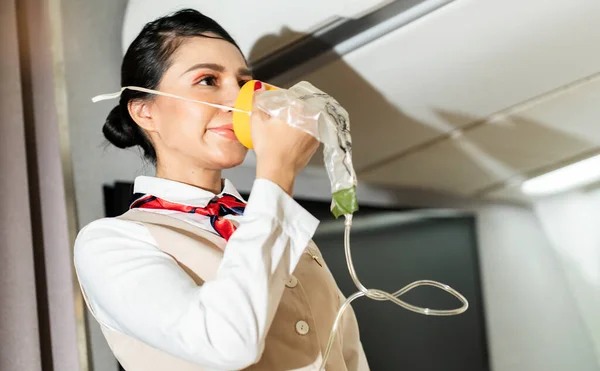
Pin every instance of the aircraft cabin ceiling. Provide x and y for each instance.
(465, 97)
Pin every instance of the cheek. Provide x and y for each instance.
(184, 122)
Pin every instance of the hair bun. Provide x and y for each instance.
(120, 131)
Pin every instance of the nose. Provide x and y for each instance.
(230, 94)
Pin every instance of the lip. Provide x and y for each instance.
(224, 131)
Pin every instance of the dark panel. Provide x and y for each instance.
(117, 198)
(391, 257)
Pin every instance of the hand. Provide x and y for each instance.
(282, 151)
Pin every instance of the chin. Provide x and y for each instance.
(231, 159)
(231, 164)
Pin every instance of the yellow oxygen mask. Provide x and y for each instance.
(243, 106)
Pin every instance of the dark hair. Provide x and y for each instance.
(146, 60)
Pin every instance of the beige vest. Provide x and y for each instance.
(300, 330)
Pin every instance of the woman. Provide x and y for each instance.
(192, 277)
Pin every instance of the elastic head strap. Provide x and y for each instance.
(108, 96)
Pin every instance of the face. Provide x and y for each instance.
(195, 134)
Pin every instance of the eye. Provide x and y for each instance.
(208, 80)
(242, 82)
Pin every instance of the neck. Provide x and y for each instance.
(209, 180)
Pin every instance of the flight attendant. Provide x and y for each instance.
(193, 277)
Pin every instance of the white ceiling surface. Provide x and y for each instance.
(456, 67)
(248, 22)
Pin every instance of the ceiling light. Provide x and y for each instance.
(576, 175)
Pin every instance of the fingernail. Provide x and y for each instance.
(257, 85)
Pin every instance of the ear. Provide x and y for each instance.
(141, 112)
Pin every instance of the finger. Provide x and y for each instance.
(259, 86)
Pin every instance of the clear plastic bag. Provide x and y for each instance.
(317, 113)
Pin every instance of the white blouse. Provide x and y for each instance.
(130, 283)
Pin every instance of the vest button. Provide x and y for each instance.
(302, 327)
(292, 282)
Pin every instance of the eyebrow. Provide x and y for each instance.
(243, 71)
